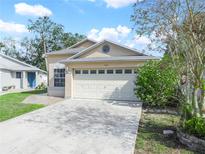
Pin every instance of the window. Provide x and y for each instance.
(59, 77)
(118, 71)
(93, 71)
(109, 71)
(77, 72)
(85, 71)
(101, 71)
(128, 71)
(18, 75)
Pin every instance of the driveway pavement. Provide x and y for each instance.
(73, 127)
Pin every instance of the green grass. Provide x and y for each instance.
(150, 139)
(11, 106)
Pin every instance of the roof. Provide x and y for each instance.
(10, 63)
(66, 51)
(99, 43)
(71, 49)
(80, 51)
(84, 40)
(108, 59)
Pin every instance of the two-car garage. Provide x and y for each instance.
(116, 84)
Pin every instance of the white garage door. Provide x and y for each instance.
(117, 84)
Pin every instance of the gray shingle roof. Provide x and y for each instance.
(66, 51)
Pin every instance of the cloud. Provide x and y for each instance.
(92, 0)
(111, 33)
(32, 10)
(120, 3)
(12, 27)
(143, 44)
(137, 40)
(142, 40)
(123, 35)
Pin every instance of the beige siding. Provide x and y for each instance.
(53, 62)
(114, 51)
(69, 83)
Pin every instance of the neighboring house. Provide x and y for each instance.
(96, 70)
(19, 75)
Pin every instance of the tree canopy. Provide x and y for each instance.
(177, 27)
(46, 36)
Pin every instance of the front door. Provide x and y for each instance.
(32, 79)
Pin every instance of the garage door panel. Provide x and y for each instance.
(104, 86)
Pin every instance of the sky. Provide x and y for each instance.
(97, 19)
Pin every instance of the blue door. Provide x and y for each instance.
(32, 79)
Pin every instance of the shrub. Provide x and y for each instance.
(41, 86)
(156, 83)
(195, 126)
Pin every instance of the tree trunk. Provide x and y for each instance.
(195, 102)
(45, 51)
(203, 102)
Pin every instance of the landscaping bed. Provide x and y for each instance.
(191, 141)
(150, 139)
(11, 106)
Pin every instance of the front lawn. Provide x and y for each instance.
(11, 106)
(150, 139)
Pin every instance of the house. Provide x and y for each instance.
(19, 75)
(94, 70)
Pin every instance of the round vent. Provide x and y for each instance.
(106, 48)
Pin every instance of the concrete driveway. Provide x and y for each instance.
(42, 99)
(73, 127)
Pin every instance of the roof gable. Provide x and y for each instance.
(95, 51)
(83, 44)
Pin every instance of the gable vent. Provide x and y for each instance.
(106, 48)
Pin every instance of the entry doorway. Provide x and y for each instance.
(32, 79)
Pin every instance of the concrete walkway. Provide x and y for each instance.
(73, 127)
(42, 99)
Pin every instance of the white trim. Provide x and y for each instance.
(110, 59)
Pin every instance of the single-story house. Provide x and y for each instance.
(16, 74)
(94, 70)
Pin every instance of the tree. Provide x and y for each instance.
(49, 36)
(177, 27)
(1, 45)
(47, 32)
(69, 39)
(32, 52)
(9, 47)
